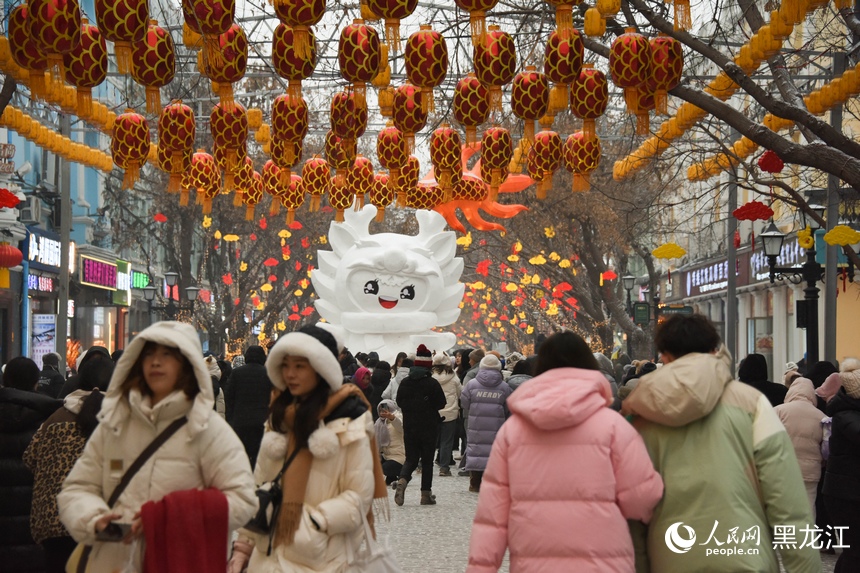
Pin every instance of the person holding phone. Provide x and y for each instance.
(160, 378)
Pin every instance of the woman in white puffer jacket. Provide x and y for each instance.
(452, 388)
(161, 377)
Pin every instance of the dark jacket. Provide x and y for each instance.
(753, 371)
(73, 382)
(379, 380)
(21, 414)
(420, 398)
(246, 400)
(50, 382)
(842, 478)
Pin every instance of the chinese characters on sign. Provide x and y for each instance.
(99, 274)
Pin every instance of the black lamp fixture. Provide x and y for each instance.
(628, 281)
(810, 273)
(171, 309)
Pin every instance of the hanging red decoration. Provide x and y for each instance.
(233, 51)
(243, 180)
(25, 51)
(270, 262)
(495, 63)
(153, 64)
(211, 19)
(336, 157)
(589, 96)
(340, 198)
(497, 150)
(666, 69)
(408, 180)
(124, 24)
(316, 176)
(160, 218)
(408, 114)
(581, 157)
(630, 64)
(202, 176)
(393, 11)
(359, 180)
(562, 64)
(447, 158)
(292, 200)
(391, 151)
(530, 99)
(55, 27)
(545, 156)
(251, 197)
(770, 162)
(477, 10)
(86, 66)
(381, 194)
(130, 145)
(229, 128)
(753, 211)
(289, 124)
(425, 197)
(348, 121)
(10, 256)
(8, 200)
(300, 15)
(471, 106)
(275, 184)
(287, 61)
(358, 56)
(176, 133)
(426, 62)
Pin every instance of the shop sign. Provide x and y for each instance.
(122, 294)
(139, 279)
(41, 284)
(44, 251)
(641, 313)
(7, 151)
(789, 256)
(43, 336)
(714, 277)
(97, 273)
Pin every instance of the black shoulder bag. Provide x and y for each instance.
(269, 496)
(159, 441)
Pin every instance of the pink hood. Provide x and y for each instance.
(561, 398)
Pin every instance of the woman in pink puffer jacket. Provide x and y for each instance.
(565, 474)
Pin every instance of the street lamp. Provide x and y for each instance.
(627, 281)
(810, 272)
(171, 309)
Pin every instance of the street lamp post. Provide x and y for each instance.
(171, 309)
(628, 281)
(810, 273)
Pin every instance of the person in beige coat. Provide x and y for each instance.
(160, 377)
(330, 485)
(802, 421)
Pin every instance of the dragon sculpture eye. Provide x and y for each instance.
(371, 287)
(408, 292)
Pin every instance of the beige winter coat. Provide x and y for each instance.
(802, 421)
(204, 453)
(339, 493)
(452, 388)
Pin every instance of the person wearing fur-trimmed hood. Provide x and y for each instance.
(333, 480)
(160, 378)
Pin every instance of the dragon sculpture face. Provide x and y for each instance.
(387, 291)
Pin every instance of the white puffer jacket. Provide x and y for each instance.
(452, 388)
(339, 493)
(202, 454)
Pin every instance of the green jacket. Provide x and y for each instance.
(729, 471)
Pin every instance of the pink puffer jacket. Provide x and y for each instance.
(565, 474)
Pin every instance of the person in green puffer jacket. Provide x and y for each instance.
(733, 487)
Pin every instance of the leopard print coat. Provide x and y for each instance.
(53, 451)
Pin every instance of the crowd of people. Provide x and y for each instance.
(580, 462)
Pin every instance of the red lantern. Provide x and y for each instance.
(348, 121)
(544, 159)
(471, 106)
(381, 195)
(124, 24)
(408, 180)
(497, 150)
(300, 15)
(275, 184)
(581, 157)
(86, 66)
(176, 133)
(294, 198)
(562, 64)
(233, 49)
(289, 123)
(10, 256)
(341, 199)
(425, 197)
(203, 178)
(170, 163)
(316, 176)
(770, 162)
(446, 156)
(286, 155)
(530, 99)
(666, 70)
(287, 61)
(426, 61)
(153, 64)
(391, 151)
(336, 157)
(589, 96)
(408, 114)
(393, 11)
(496, 63)
(630, 64)
(252, 195)
(359, 180)
(470, 189)
(477, 10)
(230, 132)
(24, 50)
(358, 55)
(244, 179)
(130, 145)
(644, 104)
(55, 26)
(211, 19)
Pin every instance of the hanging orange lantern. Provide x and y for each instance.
(275, 184)
(233, 49)
(589, 96)
(86, 66)
(289, 123)
(174, 164)
(684, 20)
(340, 198)
(359, 179)
(124, 24)
(381, 195)
(358, 55)
(55, 26)
(471, 106)
(630, 64)
(24, 50)
(408, 180)
(530, 99)
(316, 176)
(230, 132)
(130, 145)
(496, 63)
(203, 178)
(666, 70)
(563, 17)
(446, 156)
(477, 10)
(244, 178)
(545, 158)
(391, 151)
(497, 150)
(336, 157)
(562, 64)
(252, 195)
(153, 64)
(211, 19)
(470, 189)
(176, 133)
(348, 121)
(408, 114)
(287, 61)
(581, 157)
(294, 197)
(393, 11)
(426, 62)
(300, 15)
(425, 197)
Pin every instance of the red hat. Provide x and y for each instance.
(423, 357)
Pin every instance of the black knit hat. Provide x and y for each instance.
(423, 357)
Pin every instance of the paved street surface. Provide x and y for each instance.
(435, 538)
